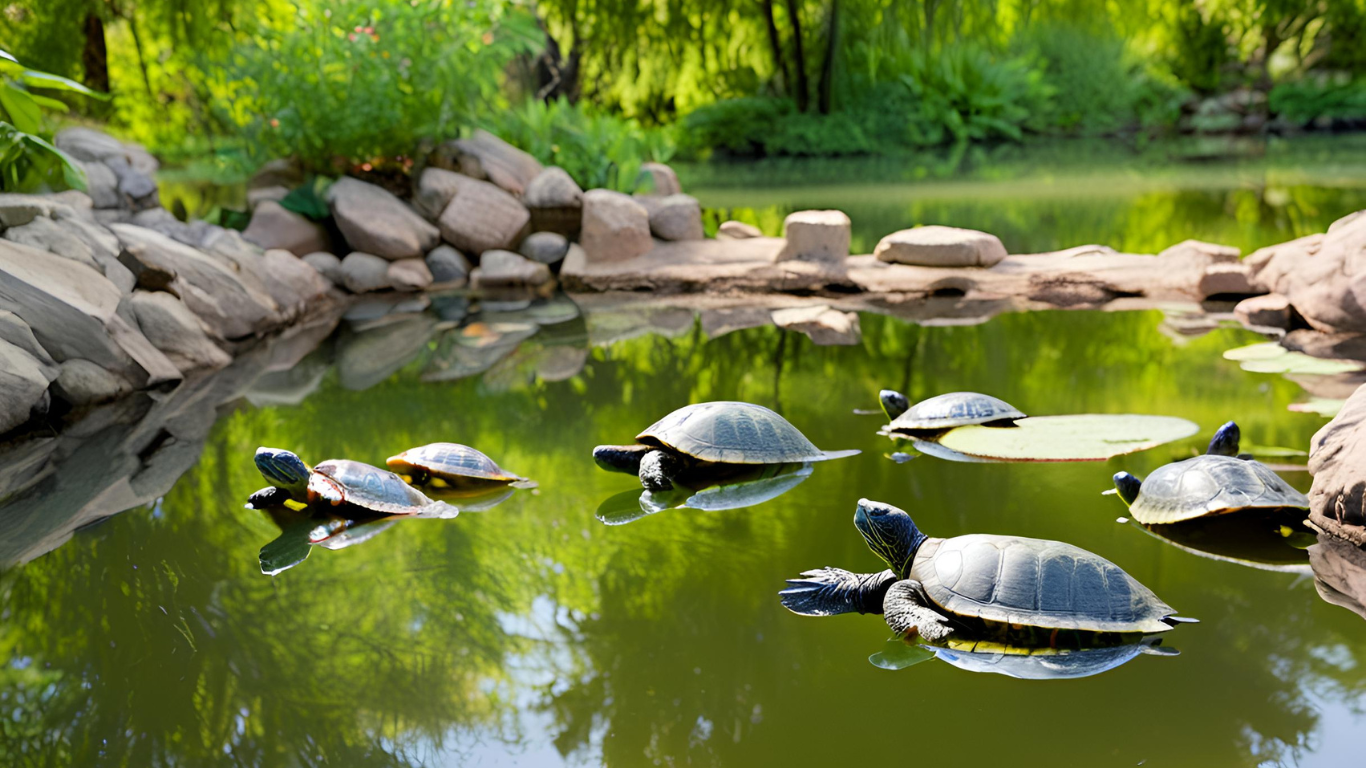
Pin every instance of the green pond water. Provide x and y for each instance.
(533, 634)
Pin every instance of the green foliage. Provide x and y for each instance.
(1200, 49)
(1335, 97)
(965, 94)
(28, 159)
(360, 81)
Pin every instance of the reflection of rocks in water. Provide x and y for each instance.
(292, 386)
(1025, 663)
(125, 454)
(1340, 573)
(366, 358)
(746, 487)
(1271, 541)
(609, 326)
(474, 349)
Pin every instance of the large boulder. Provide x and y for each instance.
(176, 331)
(23, 386)
(481, 217)
(448, 265)
(937, 246)
(364, 272)
(819, 236)
(485, 156)
(1226, 279)
(435, 188)
(294, 284)
(615, 227)
(545, 247)
(505, 268)
(81, 382)
(409, 275)
(117, 174)
(1323, 276)
(553, 188)
(1337, 460)
(676, 217)
(326, 264)
(274, 226)
(1270, 310)
(374, 221)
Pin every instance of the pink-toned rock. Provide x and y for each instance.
(1214, 251)
(1227, 279)
(505, 268)
(409, 275)
(938, 246)
(676, 217)
(823, 325)
(1323, 276)
(374, 221)
(658, 179)
(1271, 310)
(738, 230)
(481, 217)
(274, 226)
(1337, 454)
(615, 227)
(553, 188)
(484, 155)
(820, 236)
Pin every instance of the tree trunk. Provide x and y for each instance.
(803, 86)
(825, 88)
(95, 56)
(775, 44)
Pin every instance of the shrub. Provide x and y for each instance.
(28, 160)
(1335, 96)
(964, 94)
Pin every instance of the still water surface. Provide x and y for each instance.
(533, 634)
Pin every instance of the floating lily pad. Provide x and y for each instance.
(1081, 437)
(1273, 451)
(1267, 350)
(1326, 407)
(1300, 363)
(899, 654)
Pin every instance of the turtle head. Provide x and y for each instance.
(620, 458)
(1225, 441)
(1127, 486)
(893, 403)
(890, 533)
(286, 470)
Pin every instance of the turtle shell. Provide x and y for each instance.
(452, 462)
(1037, 583)
(367, 487)
(955, 409)
(1211, 485)
(734, 433)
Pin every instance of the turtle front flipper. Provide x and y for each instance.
(832, 591)
(893, 403)
(285, 469)
(658, 470)
(620, 458)
(908, 612)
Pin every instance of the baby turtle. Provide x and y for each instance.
(342, 481)
(706, 437)
(955, 409)
(455, 466)
(1027, 589)
(1217, 483)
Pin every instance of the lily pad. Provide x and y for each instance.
(1326, 407)
(1267, 350)
(1273, 451)
(899, 654)
(1298, 362)
(1081, 437)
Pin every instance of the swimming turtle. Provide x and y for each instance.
(1027, 589)
(954, 409)
(451, 465)
(1216, 483)
(706, 437)
(341, 480)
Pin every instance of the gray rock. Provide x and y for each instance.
(79, 201)
(18, 210)
(615, 227)
(545, 247)
(45, 234)
(88, 144)
(364, 272)
(281, 172)
(677, 217)
(553, 188)
(936, 246)
(293, 283)
(505, 268)
(15, 331)
(176, 331)
(274, 226)
(823, 325)
(819, 236)
(658, 179)
(738, 230)
(327, 265)
(481, 217)
(409, 275)
(102, 185)
(81, 382)
(137, 190)
(23, 385)
(490, 157)
(375, 222)
(258, 195)
(435, 188)
(448, 265)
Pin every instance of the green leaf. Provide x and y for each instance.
(1081, 437)
(58, 83)
(50, 103)
(72, 174)
(23, 111)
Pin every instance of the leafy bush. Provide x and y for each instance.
(28, 159)
(743, 126)
(964, 94)
(350, 82)
(1336, 96)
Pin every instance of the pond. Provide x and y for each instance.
(531, 633)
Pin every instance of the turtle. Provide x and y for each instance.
(1044, 663)
(1215, 483)
(984, 585)
(453, 466)
(340, 481)
(954, 409)
(708, 438)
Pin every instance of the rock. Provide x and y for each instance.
(820, 236)
(137, 190)
(481, 217)
(210, 289)
(293, 283)
(326, 264)
(545, 247)
(364, 272)
(615, 227)
(176, 331)
(718, 322)
(79, 201)
(15, 331)
(18, 210)
(1227, 279)
(1269, 311)
(265, 194)
(936, 246)
(824, 326)
(1337, 453)
(657, 179)
(274, 226)
(677, 217)
(45, 234)
(23, 386)
(102, 185)
(1345, 220)
(281, 172)
(505, 268)
(375, 222)
(435, 188)
(488, 156)
(738, 230)
(448, 265)
(1323, 276)
(81, 382)
(553, 188)
(1215, 252)
(409, 275)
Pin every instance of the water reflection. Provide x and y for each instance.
(1021, 662)
(1276, 540)
(743, 488)
(1340, 573)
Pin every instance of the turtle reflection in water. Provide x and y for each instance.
(1023, 662)
(302, 528)
(1009, 589)
(1264, 539)
(737, 488)
(699, 441)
